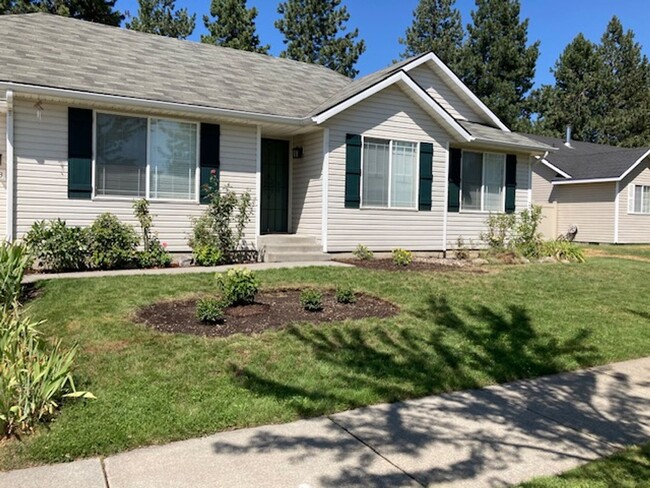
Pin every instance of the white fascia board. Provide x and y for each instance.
(151, 104)
(398, 77)
(554, 168)
(456, 82)
(585, 181)
(505, 145)
(638, 162)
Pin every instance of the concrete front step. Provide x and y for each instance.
(294, 257)
(285, 248)
(283, 239)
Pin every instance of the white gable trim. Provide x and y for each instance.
(585, 180)
(554, 168)
(399, 77)
(431, 57)
(633, 167)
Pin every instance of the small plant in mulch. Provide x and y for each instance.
(210, 310)
(311, 300)
(345, 294)
(402, 257)
(238, 286)
(363, 253)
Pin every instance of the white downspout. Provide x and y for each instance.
(325, 188)
(11, 170)
(616, 210)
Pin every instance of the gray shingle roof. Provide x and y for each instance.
(53, 51)
(497, 136)
(584, 160)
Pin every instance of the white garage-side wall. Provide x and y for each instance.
(389, 114)
(307, 186)
(633, 228)
(42, 178)
(3, 184)
(542, 186)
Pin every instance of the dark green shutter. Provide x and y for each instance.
(352, 171)
(511, 182)
(80, 153)
(426, 175)
(209, 158)
(453, 194)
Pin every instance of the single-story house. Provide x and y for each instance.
(603, 190)
(97, 116)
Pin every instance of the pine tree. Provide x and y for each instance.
(436, 27)
(497, 64)
(234, 26)
(311, 31)
(100, 11)
(161, 17)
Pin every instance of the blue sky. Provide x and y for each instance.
(553, 22)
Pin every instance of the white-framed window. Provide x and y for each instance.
(389, 174)
(482, 179)
(639, 202)
(145, 157)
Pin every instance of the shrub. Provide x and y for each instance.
(238, 286)
(209, 310)
(58, 247)
(499, 231)
(223, 223)
(563, 251)
(363, 253)
(34, 376)
(526, 237)
(402, 257)
(462, 251)
(311, 300)
(345, 294)
(113, 244)
(154, 254)
(207, 255)
(15, 259)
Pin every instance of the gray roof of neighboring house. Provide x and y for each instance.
(585, 160)
(53, 51)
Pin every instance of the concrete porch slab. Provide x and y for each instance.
(86, 474)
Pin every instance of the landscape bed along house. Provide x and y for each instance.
(96, 117)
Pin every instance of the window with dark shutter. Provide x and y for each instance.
(453, 194)
(426, 175)
(352, 171)
(209, 161)
(80, 153)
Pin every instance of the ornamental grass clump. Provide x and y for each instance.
(15, 259)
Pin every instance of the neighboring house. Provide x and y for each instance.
(97, 116)
(603, 190)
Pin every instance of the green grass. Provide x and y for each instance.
(456, 331)
(627, 469)
(638, 251)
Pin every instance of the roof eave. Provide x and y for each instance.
(583, 181)
(505, 145)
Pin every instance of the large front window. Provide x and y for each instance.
(389, 174)
(139, 157)
(640, 201)
(482, 182)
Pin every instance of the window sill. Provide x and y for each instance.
(482, 212)
(150, 200)
(394, 209)
(645, 214)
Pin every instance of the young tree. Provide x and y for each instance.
(100, 11)
(311, 30)
(497, 64)
(436, 27)
(161, 17)
(234, 26)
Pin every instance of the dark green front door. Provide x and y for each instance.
(274, 210)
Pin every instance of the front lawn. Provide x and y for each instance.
(627, 469)
(623, 250)
(456, 330)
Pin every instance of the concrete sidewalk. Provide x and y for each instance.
(491, 437)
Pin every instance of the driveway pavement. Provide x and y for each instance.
(491, 437)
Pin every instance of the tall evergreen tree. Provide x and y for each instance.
(436, 27)
(161, 17)
(312, 29)
(497, 64)
(100, 11)
(234, 26)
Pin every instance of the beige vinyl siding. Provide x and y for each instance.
(469, 225)
(542, 186)
(389, 114)
(440, 91)
(633, 228)
(590, 206)
(307, 185)
(41, 176)
(3, 184)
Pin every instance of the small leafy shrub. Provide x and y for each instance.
(563, 251)
(113, 244)
(462, 251)
(207, 255)
(58, 247)
(345, 294)
(526, 237)
(154, 254)
(15, 259)
(363, 253)
(402, 257)
(238, 286)
(311, 300)
(499, 231)
(34, 375)
(209, 310)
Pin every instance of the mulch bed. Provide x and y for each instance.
(416, 265)
(273, 309)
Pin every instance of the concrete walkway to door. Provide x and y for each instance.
(481, 438)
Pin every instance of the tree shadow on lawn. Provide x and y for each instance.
(490, 430)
